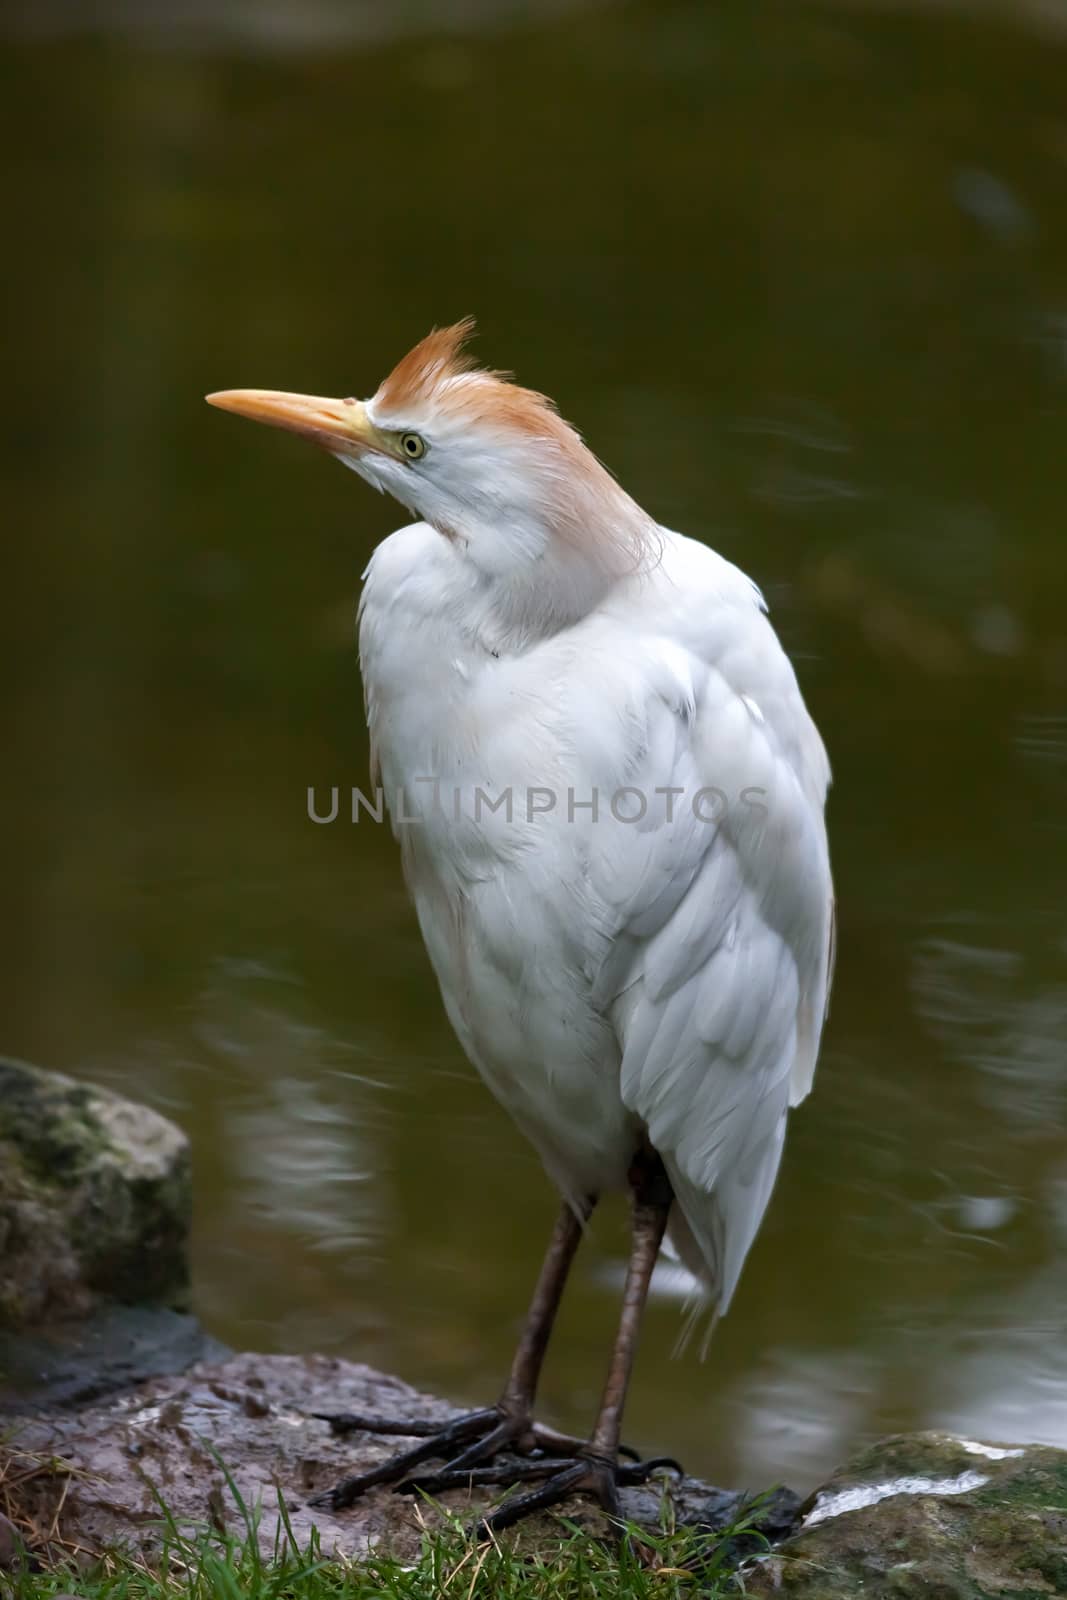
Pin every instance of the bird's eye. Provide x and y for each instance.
(412, 445)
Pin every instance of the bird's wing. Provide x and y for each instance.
(718, 922)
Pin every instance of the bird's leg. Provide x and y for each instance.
(478, 1434)
(652, 1200)
(595, 1469)
(516, 1403)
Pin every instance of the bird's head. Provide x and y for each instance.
(490, 465)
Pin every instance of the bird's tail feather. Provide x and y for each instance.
(703, 1303)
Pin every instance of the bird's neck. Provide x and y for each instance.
(511, 615)
(573, 570)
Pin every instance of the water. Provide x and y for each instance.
(799, 275)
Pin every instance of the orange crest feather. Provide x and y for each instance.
(434, 360)
(441, 372)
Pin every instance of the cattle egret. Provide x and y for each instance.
(609, 799)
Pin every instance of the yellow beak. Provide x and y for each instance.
(334, 424)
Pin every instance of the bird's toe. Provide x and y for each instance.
(587, 1474)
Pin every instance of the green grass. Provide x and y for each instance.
(202, 1564)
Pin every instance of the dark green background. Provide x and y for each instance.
(800, 275)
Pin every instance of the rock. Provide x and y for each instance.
(922, 1515)
(929, 1515)
(94, 1198)
(9, 1544)
(255, 1414)
(73, 1363)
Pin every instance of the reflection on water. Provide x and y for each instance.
(991, 1011)
(801, 1407)
(810, 305)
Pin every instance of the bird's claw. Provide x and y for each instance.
(439, 1441)
(511, 1470)
(636, 1472)
(343, 1423)
(469, 1446)
(514, 1470)
(589, 1474)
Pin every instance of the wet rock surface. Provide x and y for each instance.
(916, 1515)
(933, 1516)
(254, 1413)
(72, 1363)
(94, 1199)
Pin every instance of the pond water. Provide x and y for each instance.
(800, 274)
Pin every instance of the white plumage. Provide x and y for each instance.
(605, 975)
(609, 799)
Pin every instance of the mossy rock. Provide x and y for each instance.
(933, 1516)
(94, 1199)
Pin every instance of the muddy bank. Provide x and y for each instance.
(168, 1438)
(912, 1515)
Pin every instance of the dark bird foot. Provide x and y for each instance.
(467, 1445)
(583, 1474)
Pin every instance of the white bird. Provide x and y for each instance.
(619, 862)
